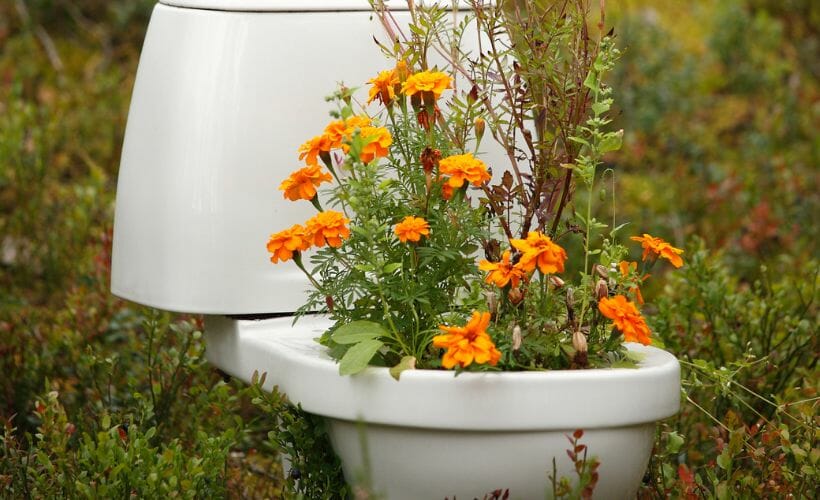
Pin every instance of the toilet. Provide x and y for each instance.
(225, 92)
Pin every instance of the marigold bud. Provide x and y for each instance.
(492, 302)
(516, 296)
(472, 96)
(402, 71)
(601, 270)
(601, 290)
(480, 125)
(556, 281)
(579, 341)
(516, 335)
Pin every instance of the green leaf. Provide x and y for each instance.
(675, 442)
(611, 142)
(600, 107)
(357, 331)
(724, 461)
(406, 363)
(358, 357)
(391, 267)
(591, 81)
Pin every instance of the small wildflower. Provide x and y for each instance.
(411, 229)
(626, 318)
(539, 250)
(660, 248)
(284, 244)
(302, 184)
(468, 344)
(328, 228)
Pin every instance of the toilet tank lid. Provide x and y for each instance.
(299, 5)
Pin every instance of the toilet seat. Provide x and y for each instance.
(294, 5)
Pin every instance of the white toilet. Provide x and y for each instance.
(225, 93)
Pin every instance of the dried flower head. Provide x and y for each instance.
(467, 344)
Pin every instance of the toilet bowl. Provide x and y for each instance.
(226, 91)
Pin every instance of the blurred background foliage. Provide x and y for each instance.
(720, 103)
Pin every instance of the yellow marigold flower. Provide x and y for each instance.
(539, 250)
(328, 227)
(412, 229)
(504, 272)
(311, 149)
(434, 82)
(626, 318)
(467, 344)
(283, 244)
(378, 141)
(660, 248)
(462, 168)
(301, 185)
(384, 87)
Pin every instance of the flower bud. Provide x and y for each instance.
(601, 270)
(472, 96)
(516, 335)
(556, 281)
(492, 302)
(601, 290)
(402, 71)
(480, 125)
(516, 296)
(579, 341)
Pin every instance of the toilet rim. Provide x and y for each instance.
(296, 5)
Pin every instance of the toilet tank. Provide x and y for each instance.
(225, 92)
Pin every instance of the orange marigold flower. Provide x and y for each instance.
(504, 272)
(412, 229)
(467, 344)
(339, 131)
(539, 250)
(434, 82)
(283, 244)
(378, 141)
(312, 148)
(462, 168)
(626, 318)
(301, 185)
(384, 87)
(328, 227)
(660, 248)
(626, 268)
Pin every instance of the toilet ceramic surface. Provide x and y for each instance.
(292, 5)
